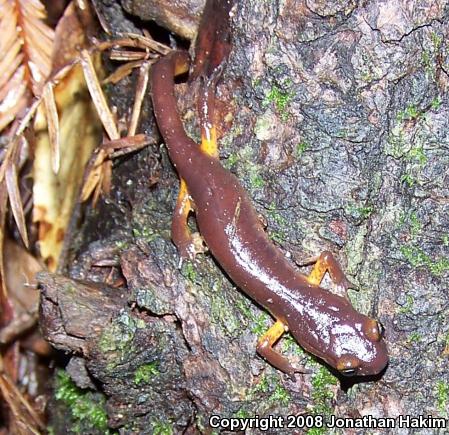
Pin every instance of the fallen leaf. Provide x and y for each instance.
(55, 194)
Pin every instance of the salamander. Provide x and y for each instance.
(323, 323)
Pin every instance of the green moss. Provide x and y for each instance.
(256, 181)
(436, 103)
(242, 413)
(255, 83)
(416, 159)
(396, 143)
(231, 160)
(359, 212)
(86, 409)
(222, 311)
(408, 306)
(188, 271)
(366, 76)
(427, 61)
(260, 323)
(417, 155)
(415, 224)
(365, 212)
(281, 98)
(251, 171)
(301, 148)
(121, 244)
(442, 393)
(145, 233)
(145, 373)
(418, 258)
(322, 395)
(289, 344)
(408, 179)
(279, 234)
(162, 428)
(439, 267)
(244, 306)
(271, 385)
(399, 146)
(317, 431)
(414, 337)
(436, 39)
(261, 387)
(116, 339)
(411, 221)
(411, 112)
(355, 250)
(280, 396)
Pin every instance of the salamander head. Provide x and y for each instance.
(358, 348)
(350, 342)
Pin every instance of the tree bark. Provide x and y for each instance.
(335, 121)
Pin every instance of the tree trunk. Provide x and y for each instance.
(335, 121)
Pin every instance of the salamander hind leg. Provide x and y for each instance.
(326, 262)
(188, 244)
(265, 349)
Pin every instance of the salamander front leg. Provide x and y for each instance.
(206, 110)
(326, 262)
(209, 140)
(265, 348)
(188, 244)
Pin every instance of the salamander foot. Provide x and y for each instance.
(265, 349)
(326, 262)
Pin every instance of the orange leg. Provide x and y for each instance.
(265, 348)
(209, 139)
(326, 262)
(206, 110)
(188, 244)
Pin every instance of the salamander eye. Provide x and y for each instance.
(373, 330)
(347, 365)
(381, 329)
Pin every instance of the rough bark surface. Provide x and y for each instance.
(339, 132)
(180, 16)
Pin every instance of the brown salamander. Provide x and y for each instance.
(323, 323)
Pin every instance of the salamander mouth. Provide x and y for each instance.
(350, 365)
